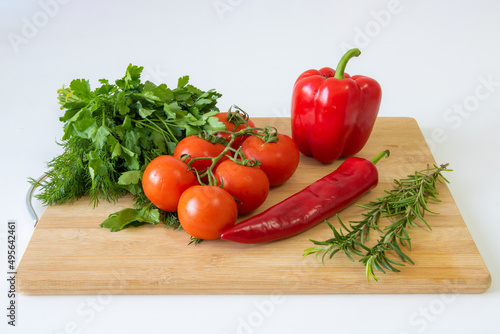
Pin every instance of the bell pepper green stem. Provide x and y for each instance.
(379, 156)
(339, 72)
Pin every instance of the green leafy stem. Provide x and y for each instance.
(112, 132)
(404, 206)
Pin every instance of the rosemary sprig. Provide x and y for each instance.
(404, 206)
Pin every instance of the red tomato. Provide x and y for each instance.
(197, 147)
(165, 179)
(279, 160)
(230, 127)
(249, 185)
(206, 211)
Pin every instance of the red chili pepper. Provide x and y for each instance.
(332, 113)
(315, 203)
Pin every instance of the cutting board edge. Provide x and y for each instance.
(479, 285)
(438, 289)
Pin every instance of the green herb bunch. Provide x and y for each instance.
(404, 206)
(113, 132)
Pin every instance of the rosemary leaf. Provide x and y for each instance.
(404, 206)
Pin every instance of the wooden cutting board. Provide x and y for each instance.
(70, 254)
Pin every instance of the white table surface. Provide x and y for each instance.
(436, 62)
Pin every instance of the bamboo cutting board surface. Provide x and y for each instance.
(70, 254)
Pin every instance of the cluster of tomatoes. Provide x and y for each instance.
(208, 183)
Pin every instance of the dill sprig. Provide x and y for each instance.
(404, 206)
(112, 132)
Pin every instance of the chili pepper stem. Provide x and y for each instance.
(379, 156)
(339, 72)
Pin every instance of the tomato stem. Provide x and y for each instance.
(267, 134)
(237, 117)
(240, 159)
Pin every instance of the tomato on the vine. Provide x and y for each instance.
(248, 184)
(206, 211)
(165, 179)
(279, 160)
(231, 127)
(197, 147)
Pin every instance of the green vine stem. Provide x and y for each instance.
(267, 134)
(237, 117)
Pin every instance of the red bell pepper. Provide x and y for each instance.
(333, 113)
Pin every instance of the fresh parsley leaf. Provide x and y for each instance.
(121, 219)
(112, 132)
(81, 89)
(130, 177)
(183, 81)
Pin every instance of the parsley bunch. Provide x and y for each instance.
(113, 132)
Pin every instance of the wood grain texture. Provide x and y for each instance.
(70, 254)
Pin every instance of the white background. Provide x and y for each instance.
(436, 62)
